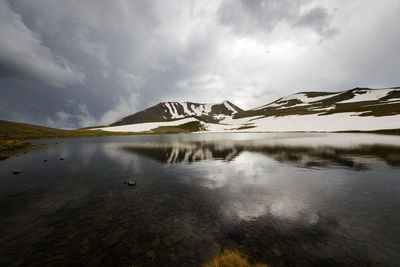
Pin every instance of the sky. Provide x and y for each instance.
(73, 63)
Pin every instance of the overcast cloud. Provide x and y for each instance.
(81, 63)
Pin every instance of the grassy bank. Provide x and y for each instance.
(232, 258)
(8, 147)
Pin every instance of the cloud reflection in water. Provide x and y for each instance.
(281, 177)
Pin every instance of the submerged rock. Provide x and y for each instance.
(137, 250)
(113, 238)
(17, 171)
(156, 242)
(61, 158)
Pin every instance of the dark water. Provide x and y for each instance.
(282, 199)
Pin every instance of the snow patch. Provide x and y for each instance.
(186, 109)
(368, 95)
(229, 107)
(169, 108)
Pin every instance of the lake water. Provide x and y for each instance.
(282, 199)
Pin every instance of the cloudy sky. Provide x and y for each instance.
(72, 63)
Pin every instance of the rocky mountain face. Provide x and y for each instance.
(167, 111)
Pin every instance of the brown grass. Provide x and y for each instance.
(8, 147)
(232, 258)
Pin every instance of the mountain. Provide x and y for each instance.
(166, 111)
(358, 109)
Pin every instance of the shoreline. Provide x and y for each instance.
(12, 142)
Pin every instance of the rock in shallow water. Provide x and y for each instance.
(131, 183)
(17, 171)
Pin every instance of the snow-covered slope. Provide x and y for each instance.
(307, 123)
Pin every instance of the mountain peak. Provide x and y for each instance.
(165, 111)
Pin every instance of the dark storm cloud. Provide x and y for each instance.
(317, 19)
(79, 63)
(263, 15)
(23, 56)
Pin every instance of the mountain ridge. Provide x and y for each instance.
(356, 109)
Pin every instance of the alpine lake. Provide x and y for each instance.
(284, 199)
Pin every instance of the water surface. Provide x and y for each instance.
(282, 199)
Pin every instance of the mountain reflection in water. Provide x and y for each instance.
(358, 158)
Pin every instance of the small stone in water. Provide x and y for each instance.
(17, 171)
(130, 183)
(61, 158)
